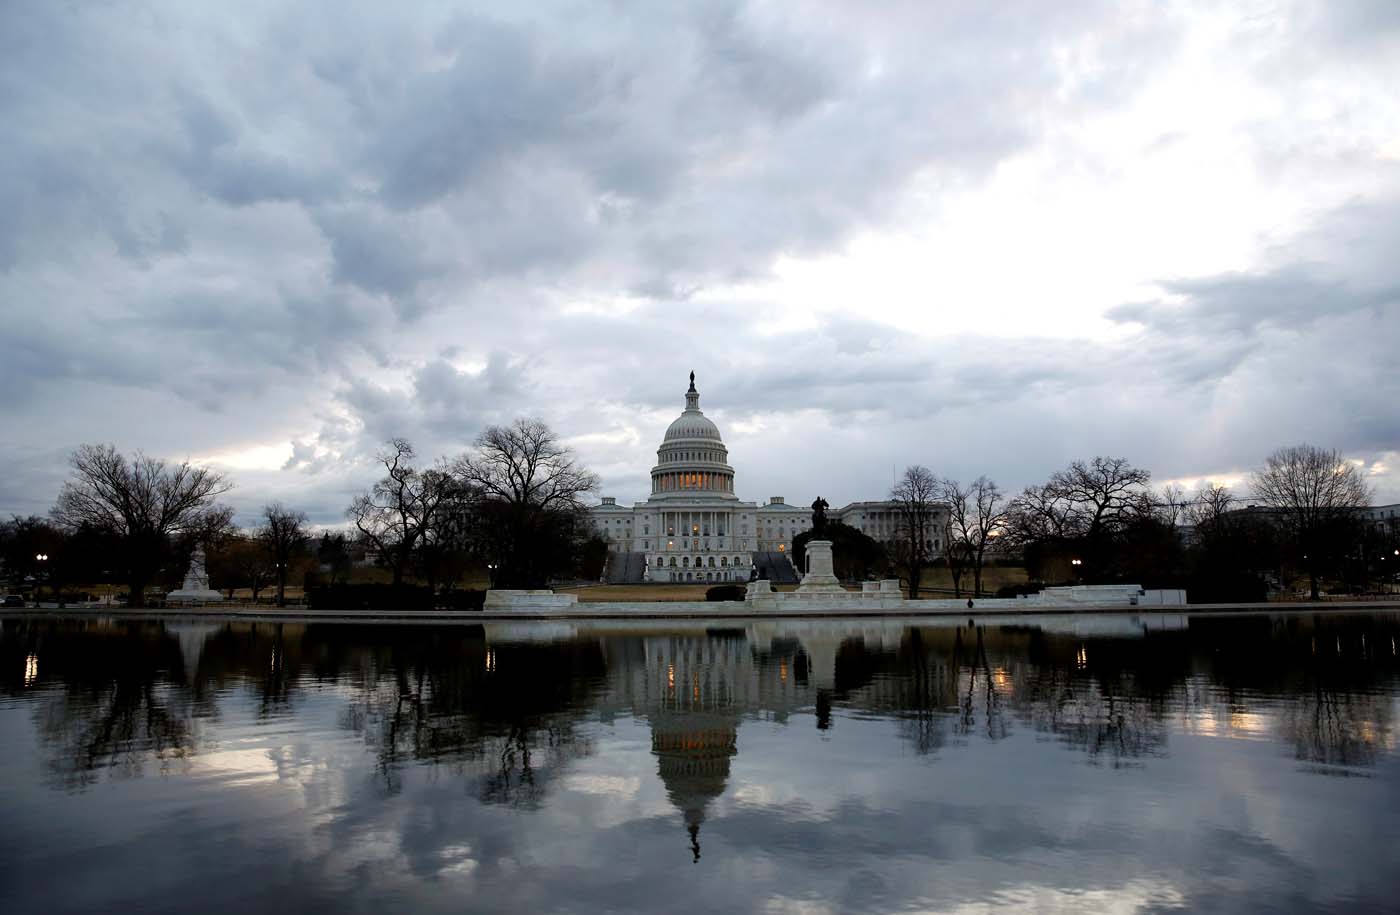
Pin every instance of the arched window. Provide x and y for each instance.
(712, 562)
(685, 561)
(723, 561)
(673, 562)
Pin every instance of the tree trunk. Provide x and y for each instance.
(136, 596)
(1312, 582)
(914, 571)
(282, 585)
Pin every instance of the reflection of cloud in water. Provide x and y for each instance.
(614, 786)
(442, 768)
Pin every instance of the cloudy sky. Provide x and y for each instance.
(989, 239)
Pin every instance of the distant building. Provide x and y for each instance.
(693, 526)
(1384, 518)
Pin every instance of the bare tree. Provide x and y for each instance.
(145, 503)
(978, 516)
(916, 509)
(283, 534)
(1210, 508)
(529, 493)
(1102, 494)
(1170, 504)
(396, 511)
(1041, 513)
(1313, 490)
(958, 527)
(991, 520)
(1084, 507)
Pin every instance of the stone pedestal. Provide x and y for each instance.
(196, 586)
(759, 595)
(820, 577)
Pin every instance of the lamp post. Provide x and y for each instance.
(40, 558)
(491, 568)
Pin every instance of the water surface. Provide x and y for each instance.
(1107, 764)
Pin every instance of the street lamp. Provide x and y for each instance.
(40, 558)
(491, 568)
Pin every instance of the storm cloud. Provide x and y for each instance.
(988, 241)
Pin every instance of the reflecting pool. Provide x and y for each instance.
(1106, 763)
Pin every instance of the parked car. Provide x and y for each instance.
(12, 600)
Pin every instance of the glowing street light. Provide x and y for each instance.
(40, 558)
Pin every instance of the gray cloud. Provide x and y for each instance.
(315, 227)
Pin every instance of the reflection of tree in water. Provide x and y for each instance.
(262, 657)
(110, 698)
(1343, 675)
(964, 682)
(127, 696)
(121, 696)
(1116, 727)
(505, 713)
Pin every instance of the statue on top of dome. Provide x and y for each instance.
(692, 382)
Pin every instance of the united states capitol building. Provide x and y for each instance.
(693, 526)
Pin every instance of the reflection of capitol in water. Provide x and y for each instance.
(509, 706)
(694, 688)
(692, 692)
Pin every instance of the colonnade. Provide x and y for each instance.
(699, 479)
(692, 524)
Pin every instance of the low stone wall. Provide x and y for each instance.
(874, 597)
(527, 601)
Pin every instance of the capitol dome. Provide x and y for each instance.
(692, 425)
(692, 460)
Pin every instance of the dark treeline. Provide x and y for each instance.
(128, 698)
(511, 510)
(1099, 521)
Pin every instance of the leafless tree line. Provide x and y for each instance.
(1093, 504)
(515, 499)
